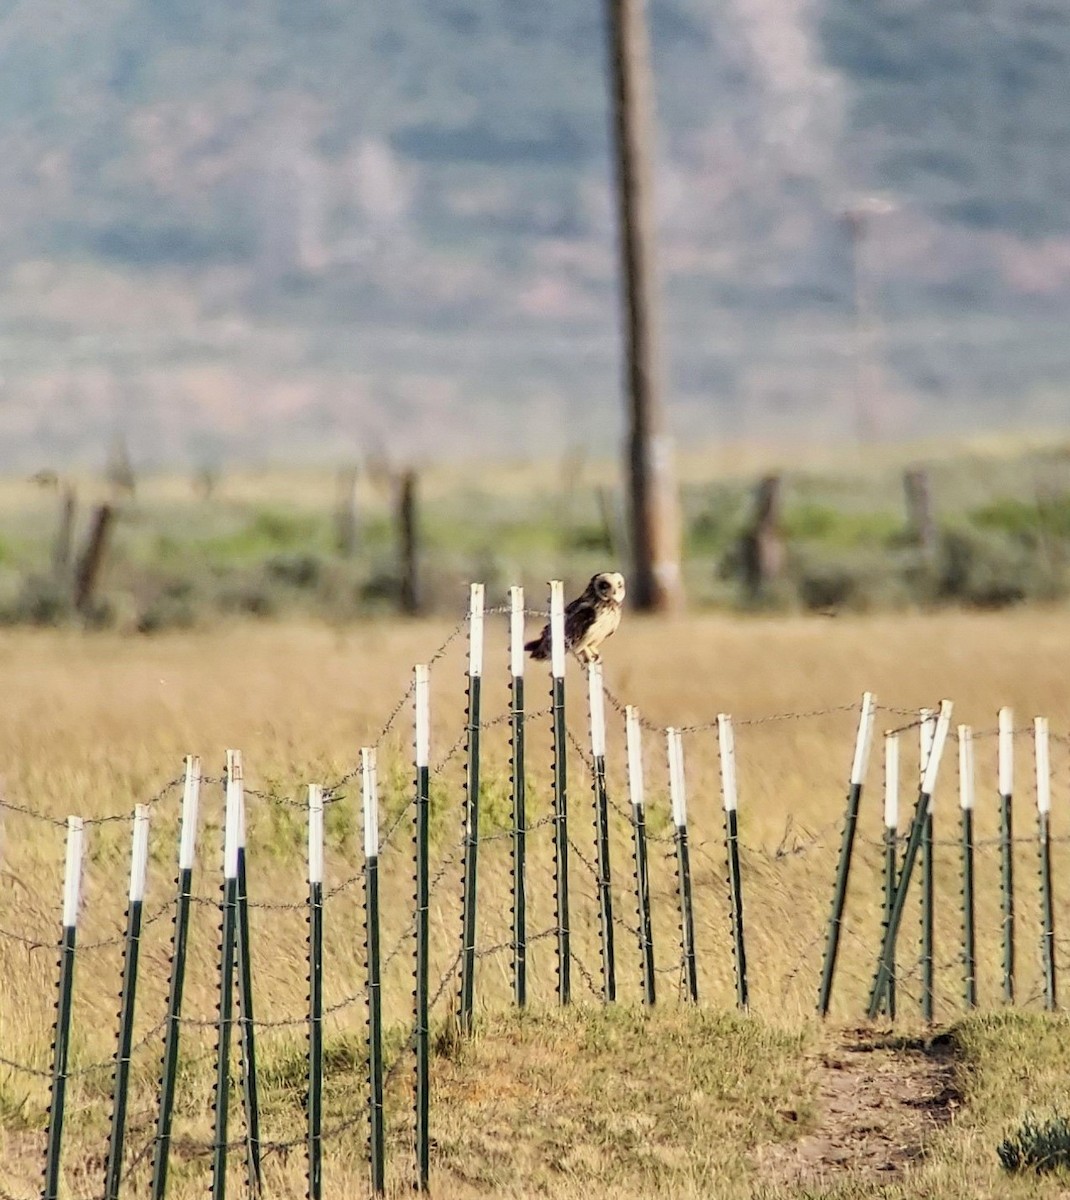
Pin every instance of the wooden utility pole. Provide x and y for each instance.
(408, 545)
(656, 582)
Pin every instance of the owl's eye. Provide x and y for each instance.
(604, 586)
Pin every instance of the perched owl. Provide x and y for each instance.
(589, 619)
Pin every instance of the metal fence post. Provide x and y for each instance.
(843, 869)
(139, 858)
(727, 745)
(315, 992)
(636, 792)
(227, 948)
(560, 751)
(72, 882)
(186, 854)
(883, 973)
(966, 803)
(371, 929)
(926, 733)
(891, 846)
(520, 818)
(678, 797)
(471, 815)
(1047, 906)
(597, 705)
(1006, 846)
(423, 927)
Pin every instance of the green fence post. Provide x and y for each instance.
(371, 930)
(966, 803)
(186, 855)
(423, 927)
(843, 869)
(246, 1021)
(727, 744)
(139, 858)
(227, 947)
(678, 797)
(891, 846)
(636, 793)
(72, 882)
(560, 751)
(597, 707)
(926, 733)
(315, 992)
(471, 814)
(884, 969)
(1006, 847)
(520, 818)
(1047, 906)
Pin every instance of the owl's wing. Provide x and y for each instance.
(579, 617)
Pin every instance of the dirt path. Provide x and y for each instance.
(879, 1099)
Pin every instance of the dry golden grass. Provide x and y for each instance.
(620, 1105)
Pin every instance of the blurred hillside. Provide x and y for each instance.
(267, 230)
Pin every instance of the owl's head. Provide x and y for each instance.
(608, 586)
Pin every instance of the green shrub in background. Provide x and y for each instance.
(1037, 1145)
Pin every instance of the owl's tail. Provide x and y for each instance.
(540, 648)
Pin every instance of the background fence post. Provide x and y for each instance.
(727, 745)
(519, 784)
(371, 929)
(471, 814)
(966, 802)
(560, 752)
(423, 926)
(1006, 846)
(597, 704)
(678, 797)
(843, 869)
(926, 732)
(247, 1022)
(885, 960)
(139, 858)
(187, 849)
(1047, 907)
(72, 882)
(636, 793)
(228, 945)
(891, 846)
(315, 991)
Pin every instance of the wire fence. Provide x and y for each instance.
(545, 855)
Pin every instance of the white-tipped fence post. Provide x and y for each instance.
(891, 844)
(560, 766)
(966, 806)
(187, 850)
(726, 739)
(519, 784)
(471, 815)
(227, 950)
(859, 763)
(1047, 905)
(678, 796)
(597, 704)
(315, 992)
(926, 735)
(247, 1020)
(370, 781)
(884, 969)
(422, 1018)
(139, 859)
(1006, 846)
(72, 883)
(637, 796)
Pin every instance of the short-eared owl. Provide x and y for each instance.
(589, 619)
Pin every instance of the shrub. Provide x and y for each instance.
(1037, 1145)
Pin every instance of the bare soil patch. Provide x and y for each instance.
(879, 1100)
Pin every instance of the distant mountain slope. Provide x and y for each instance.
(374, 179)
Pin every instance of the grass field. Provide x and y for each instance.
(677, 1102)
